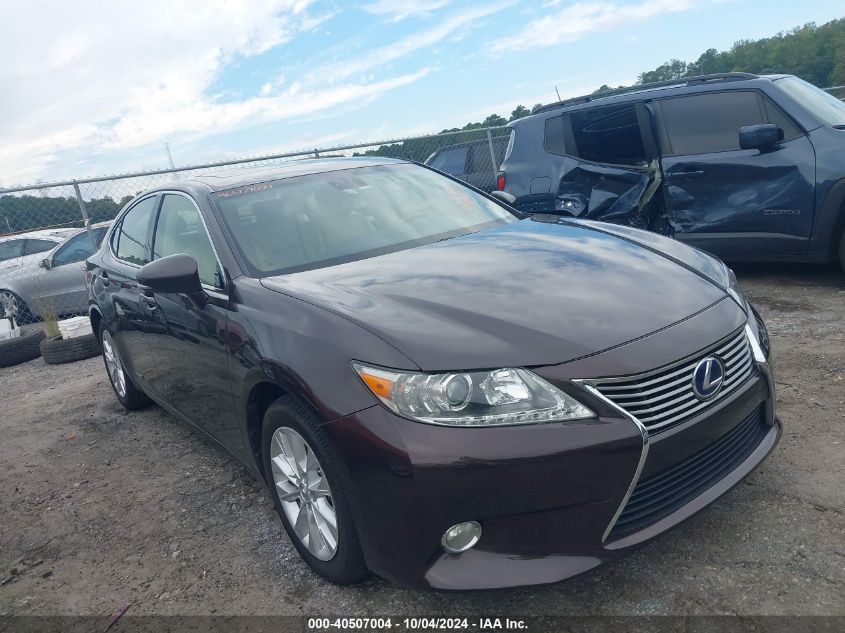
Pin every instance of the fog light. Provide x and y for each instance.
(461, 537)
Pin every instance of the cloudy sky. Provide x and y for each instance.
(92, 88)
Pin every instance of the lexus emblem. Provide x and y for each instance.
(708, 378)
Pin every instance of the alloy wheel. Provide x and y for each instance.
(114, 366)
(304, 492)
(9, 304)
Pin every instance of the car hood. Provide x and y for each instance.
(528, 293)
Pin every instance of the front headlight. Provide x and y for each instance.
(731, 285)
(483, 398)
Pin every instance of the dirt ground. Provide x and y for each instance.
(102, 508)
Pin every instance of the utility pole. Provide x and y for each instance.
(169, 155)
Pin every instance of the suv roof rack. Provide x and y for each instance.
(680, 81)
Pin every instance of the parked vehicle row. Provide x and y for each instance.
(746, 167)
(434, 386)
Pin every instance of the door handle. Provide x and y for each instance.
(692, 173)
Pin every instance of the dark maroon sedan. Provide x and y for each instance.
(436, 388)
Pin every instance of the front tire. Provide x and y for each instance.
(130, 396)
(16, 307)
(305, 473)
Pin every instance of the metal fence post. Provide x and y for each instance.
(492, 154)
(84, 212)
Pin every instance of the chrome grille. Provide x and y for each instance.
(663, 398)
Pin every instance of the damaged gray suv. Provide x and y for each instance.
(747, 167)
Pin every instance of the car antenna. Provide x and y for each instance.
(557, 93)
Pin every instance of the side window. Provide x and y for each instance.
(38, 246)
(180, 230)
(78, 248)
(452, 161)
(709, 122)
(479, 159)
(775, 115)
(553, 138)
(131, 236)
(11, 249)
(609, 134)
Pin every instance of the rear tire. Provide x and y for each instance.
(337, 556)
(130, 395)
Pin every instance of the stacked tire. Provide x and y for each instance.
(24, 348)
(56, 350)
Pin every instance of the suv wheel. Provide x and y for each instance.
(305, 473)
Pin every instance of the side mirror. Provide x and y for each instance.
(761, 136)
(174, 273)
(46, 263)
(503, 196)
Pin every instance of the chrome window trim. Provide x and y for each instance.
(163, 192)
(588, 386)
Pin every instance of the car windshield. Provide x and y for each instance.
(821, 104)
(323, 219)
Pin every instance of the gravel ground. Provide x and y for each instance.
(102, 508)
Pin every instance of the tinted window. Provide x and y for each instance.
(179, 230)
(11, 249)
(704, 123)
(38, 246)
(330, 218)
(453, 161)
(553, 139)
(79, 247)
(775, 115)
(608, 135)
(131, 236)
(479, 159)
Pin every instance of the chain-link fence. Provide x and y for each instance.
(48, 230)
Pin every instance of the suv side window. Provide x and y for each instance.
(38, 246)
(553, 136)
(130, 241)
(179, 229)
(609, 134)
(11, 249)
(709, 122)
(775, 115)
(78, 248)
(452, 161)
(479, 159)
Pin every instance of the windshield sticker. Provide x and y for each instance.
(232, 193)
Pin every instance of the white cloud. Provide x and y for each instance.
(581, 18)
(397, 10)
(115, 77)
(456, 23)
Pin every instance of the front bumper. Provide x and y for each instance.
(544, 494)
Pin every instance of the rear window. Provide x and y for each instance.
(553, 136)
(709, 122)
(452, 160)
(608, 135)
(11, 249)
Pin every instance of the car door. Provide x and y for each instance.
(117, 281)
(189, 343)
(60, 284)
(735, 203)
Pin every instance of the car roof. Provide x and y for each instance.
(682, 85)
(237, 177)
(54, 235)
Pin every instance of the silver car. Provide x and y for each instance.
(52, 281)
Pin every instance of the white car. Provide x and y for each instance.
(53, 277)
